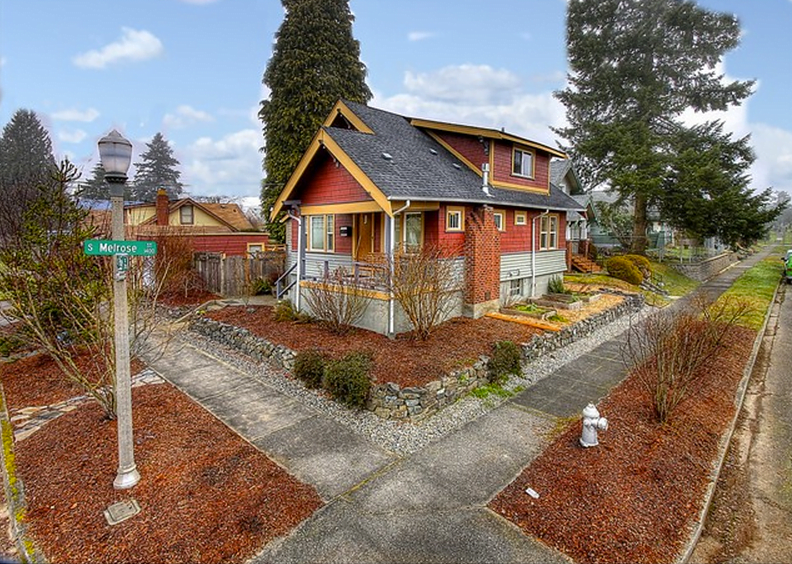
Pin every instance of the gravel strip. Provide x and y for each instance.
(404, 438)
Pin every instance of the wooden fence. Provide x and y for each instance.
(234, 276)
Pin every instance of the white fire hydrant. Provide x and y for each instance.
(592, 422)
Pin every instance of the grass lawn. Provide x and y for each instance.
(757, 287)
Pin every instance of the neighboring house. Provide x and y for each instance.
(216, 228)
(372, 181)
(564, 177)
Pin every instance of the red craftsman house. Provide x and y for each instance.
(372, 181)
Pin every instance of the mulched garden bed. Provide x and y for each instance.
(636, 497)
(206, 494)
(403, 361)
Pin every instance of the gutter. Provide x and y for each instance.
(392, 236)
(299, 258)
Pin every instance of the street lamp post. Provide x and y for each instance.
(116, 155)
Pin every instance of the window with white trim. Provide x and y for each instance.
(522, 163)
(321, 233)
(520, 218)
(413, 229)
(500, 220)
(548, 233)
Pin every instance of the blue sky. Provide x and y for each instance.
(192, 70)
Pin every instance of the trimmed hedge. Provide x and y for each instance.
(348, 380)
(309, 366)
(641, 263)
(505, 360)
(624, 269)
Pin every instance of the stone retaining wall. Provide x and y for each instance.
(706, 269)
(389, 401)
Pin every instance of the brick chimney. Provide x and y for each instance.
(162, 207)
(482, 263)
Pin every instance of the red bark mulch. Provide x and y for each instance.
(404, 361)
(206, 494)
(635, 497)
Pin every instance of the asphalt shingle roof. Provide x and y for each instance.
(407, 163)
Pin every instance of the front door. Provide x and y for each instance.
(364, 236)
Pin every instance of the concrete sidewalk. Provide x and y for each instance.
(426, 507)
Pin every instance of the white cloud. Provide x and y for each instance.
(473, 84)
(75, 136)
(185, 116)
(72, 114)
(134, 45)
(420, 35)
(479, 96)
(774, 163)
(230, 165)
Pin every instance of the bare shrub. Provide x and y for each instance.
(670, 352)
(424, 283)
(337, 300)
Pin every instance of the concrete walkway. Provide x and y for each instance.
(426, 507)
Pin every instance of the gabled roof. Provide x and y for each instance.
(394, 159)
(229, 215)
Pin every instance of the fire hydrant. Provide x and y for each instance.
(591, 423)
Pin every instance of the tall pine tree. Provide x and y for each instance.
(27, 166)
(635, 67)
(95, 188)
(157, 169)
(315, 62)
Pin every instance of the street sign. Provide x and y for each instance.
(106, 248)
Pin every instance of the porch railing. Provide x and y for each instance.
(280, 289)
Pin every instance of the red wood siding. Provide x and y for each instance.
(451, 240)
(467, 146)
(502, 168)
(329, 184)
(227, 244)
(343, 245)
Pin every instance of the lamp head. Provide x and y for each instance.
(116, 154)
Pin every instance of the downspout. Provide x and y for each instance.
(299, 258)
(533, 251)
(392, 236)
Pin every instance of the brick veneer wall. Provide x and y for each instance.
(482, 257)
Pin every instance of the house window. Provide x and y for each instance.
(548, 236)
(454, 219)
(186, 215)
(500, 220)
(413, 229)
(520, 218)
(254, 248)
(321, 234)
(522, 163)
(515, 288)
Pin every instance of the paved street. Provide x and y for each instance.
(756, 495)
(426, 507)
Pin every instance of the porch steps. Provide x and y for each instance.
(583, 264)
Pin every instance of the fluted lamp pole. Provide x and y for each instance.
(116, 154)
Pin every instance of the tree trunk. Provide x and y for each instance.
(639, 239)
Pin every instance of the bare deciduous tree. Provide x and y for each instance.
(425, 282)
(338, 300)
(669, 351)
(62, 298)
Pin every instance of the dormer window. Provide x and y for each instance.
(186, 215)
(523, 163)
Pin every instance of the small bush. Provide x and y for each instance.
(505, 360)
(262, 286)
(309, 367)
(9, 344)
(348, 380)
(623, 269)
(556, 285)
(284, 311)
(641, 263)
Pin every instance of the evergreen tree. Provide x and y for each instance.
(706, 191)
(636, 66)
(95, 188)
(315, 62)
(27, 166)
(156, 170)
